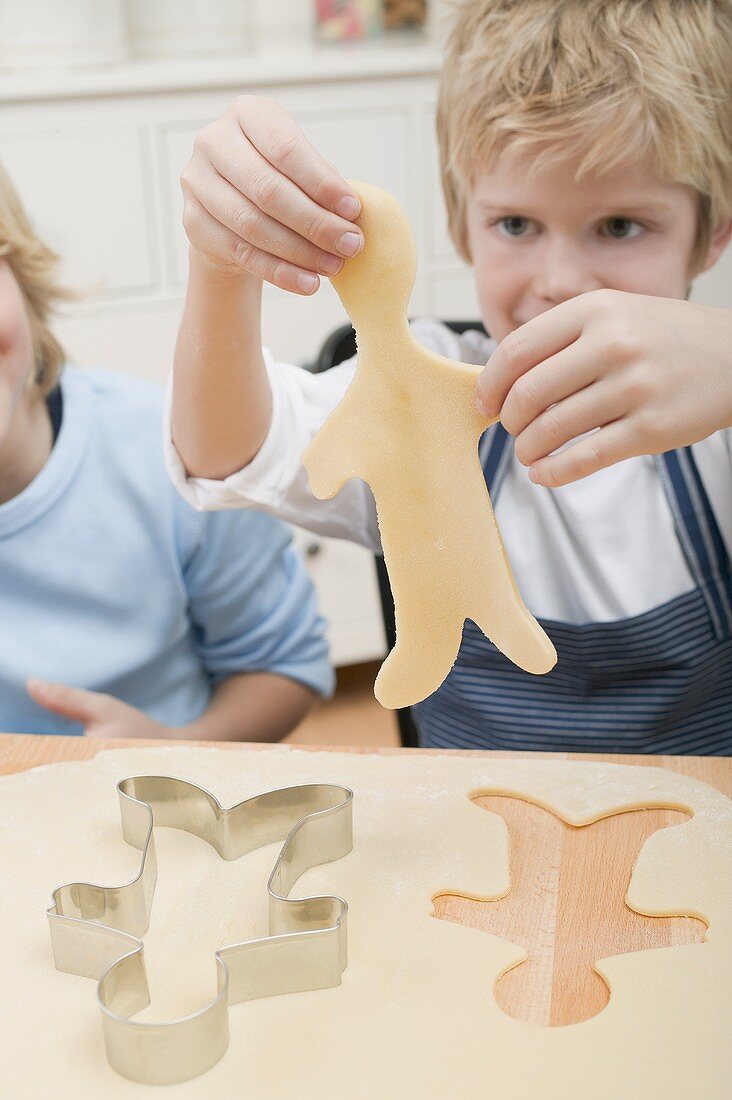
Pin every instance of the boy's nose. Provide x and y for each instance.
(562, 271)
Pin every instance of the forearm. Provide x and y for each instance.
(251, 706)
(221, 395)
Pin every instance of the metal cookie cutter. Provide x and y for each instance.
(96, 930)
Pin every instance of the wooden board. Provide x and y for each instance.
(549, 909)
(565, 928)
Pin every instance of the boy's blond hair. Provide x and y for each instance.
(608, 80)
(34, 266)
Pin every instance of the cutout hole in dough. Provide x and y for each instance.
(566, 905)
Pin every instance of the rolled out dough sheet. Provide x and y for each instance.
(414, 1016)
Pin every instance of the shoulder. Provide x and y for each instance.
(111, 393)
(471, 346)
(128, 462)
(125, 416)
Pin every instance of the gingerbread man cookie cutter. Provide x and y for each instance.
(96, 930)
(408, 426)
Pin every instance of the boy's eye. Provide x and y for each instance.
(515, 226)
(622, 228)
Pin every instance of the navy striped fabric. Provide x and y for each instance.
(657, 683)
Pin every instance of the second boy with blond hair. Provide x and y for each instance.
(124, 613)
(586, 154)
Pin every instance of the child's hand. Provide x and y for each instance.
(100, 715)
(260, 199)
(651, 374)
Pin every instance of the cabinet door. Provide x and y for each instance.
(714, 287)
(454, 296)
(345, 578)
(87, 192)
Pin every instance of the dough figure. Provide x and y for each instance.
(409, 428)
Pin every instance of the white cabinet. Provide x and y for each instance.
(87, 189)
(97, 158)
(345, 577)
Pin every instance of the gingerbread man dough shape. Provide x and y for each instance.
(409, 428)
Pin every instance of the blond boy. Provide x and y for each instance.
(586, 153)
(130, 617)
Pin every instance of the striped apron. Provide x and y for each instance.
(660, 682)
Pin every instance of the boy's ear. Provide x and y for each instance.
(718, 243)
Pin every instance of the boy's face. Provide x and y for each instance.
(16, 348)
(539, 238)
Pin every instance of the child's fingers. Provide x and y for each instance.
(610, 444)
(227, 206)
(223, 247)
(553, 380)
(76, 704)
(523, 349)
(276, 195)
(276, 135)
(591, 408)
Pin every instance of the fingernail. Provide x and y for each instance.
(533, 476)
(329, 265)
(349, 244)
(307, 282)
(480, 406)
(348, 207)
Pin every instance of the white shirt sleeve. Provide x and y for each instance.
(275, 481)
(600, 549)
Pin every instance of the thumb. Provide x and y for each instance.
(77, 704)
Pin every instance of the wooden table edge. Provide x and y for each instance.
(21, 751)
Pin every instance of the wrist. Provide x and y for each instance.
(219, 271)
(192, 731)
(215, 724)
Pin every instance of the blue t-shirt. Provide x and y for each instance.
(111, 582)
